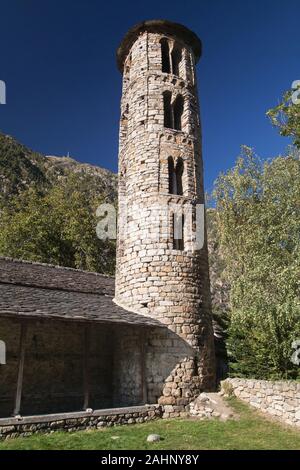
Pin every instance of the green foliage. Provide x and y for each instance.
(56, 226)
(258, 211)
(219, 284)
(286, 117)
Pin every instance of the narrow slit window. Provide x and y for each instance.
(178, 231)
(172, 178)
(178, 176)
(176, 59)
(168, 121)
(177, 112)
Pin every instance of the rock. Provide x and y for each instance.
(166, 401)
(224, 417)
(211, 405)
(7, 429)
(19, 417)
(153, 438)
(202, 398)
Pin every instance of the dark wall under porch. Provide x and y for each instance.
(53, 369)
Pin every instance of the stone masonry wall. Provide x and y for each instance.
(128, 357)
(152, 277)
(279, 399)
(146, 369)
(11, 428)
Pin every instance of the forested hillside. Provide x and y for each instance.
(48, 208)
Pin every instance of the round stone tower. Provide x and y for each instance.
(162, 266)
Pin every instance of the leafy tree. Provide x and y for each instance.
(286, 117)
(56, 226)
(258, 212)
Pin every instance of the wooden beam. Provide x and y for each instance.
(22, 348)
(86, 368)
(143, 339)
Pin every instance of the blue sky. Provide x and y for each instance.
(63, 86)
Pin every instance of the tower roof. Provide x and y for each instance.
(158, 26)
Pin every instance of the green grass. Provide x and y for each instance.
(251, 431)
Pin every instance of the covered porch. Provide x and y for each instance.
(70, 351)
(55, 367)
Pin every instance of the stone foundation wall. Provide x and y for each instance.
(173, 372)
(11, 427)
(279, 399)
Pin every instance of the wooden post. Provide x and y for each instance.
(22, 348)
(143, 366)
(86, 371)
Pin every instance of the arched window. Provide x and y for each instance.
(173, 112)
(165, 56)
(178, 231)
(178, 174)
(175, 176)
(168, 119)
(176, 59)
(177, 112)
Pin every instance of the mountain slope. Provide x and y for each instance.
(21, 168)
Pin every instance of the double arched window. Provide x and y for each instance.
(175, 173)
(173, 111)
(170, 61)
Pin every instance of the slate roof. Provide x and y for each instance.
(33, 274)
(34, 290)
